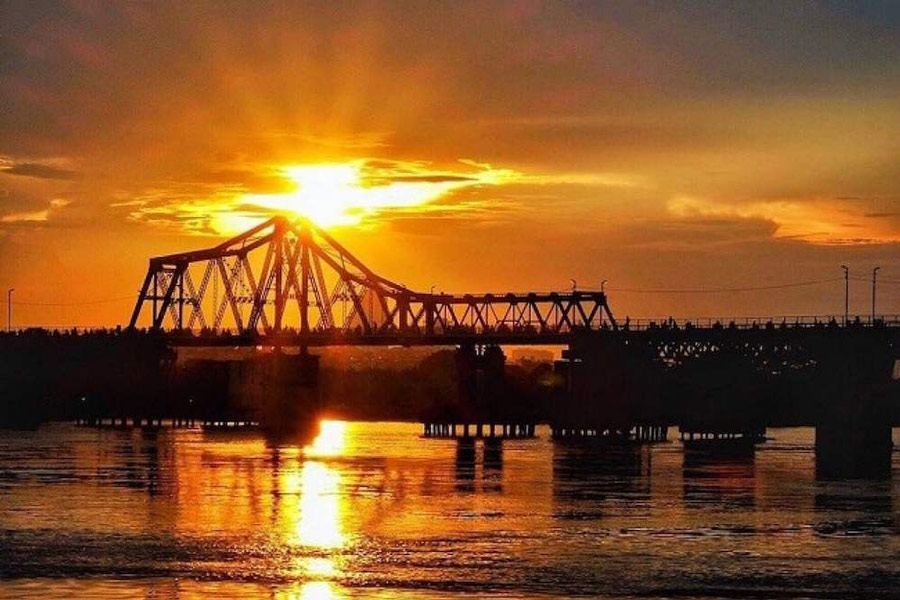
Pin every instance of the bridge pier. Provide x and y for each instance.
(498, 431)
(608, 394)
(856, 412)
(853, 439)
(282, 392)
(714, 436)
(276, 391)
(122, 422)
(486, 403)
(636, 433)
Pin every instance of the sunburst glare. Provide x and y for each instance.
(346, 193)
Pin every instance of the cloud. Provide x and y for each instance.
(259, 180)
(431, 178)
(814, 220)
(615, 180)
(38, 216)
(47, 169)
(39, 171)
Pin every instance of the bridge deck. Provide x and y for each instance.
(702, 329)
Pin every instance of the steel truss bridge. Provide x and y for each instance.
(291, 283)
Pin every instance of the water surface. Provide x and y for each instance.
(371, 510)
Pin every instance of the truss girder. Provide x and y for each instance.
(293, 276)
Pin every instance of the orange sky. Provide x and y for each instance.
(474, 146)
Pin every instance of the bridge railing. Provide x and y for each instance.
(453, 335)
(805, 321)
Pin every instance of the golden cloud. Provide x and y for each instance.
(817, 220)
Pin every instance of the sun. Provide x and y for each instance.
(342, 194)
(335, 194)
(327, 194)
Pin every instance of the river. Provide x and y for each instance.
(372, 510)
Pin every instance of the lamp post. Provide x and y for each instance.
(9, 294)
(574, 285)
(603, 286)
(874, 280)
(846, 293)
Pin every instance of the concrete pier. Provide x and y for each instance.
(853, 439)
(601, 399)
(636, 433)
(281, 393)
(722, 437)
(479, 430)
(274, 391)
(486, 406)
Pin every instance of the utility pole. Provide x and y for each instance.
(9, 294)
(874, 279)
(846, 293)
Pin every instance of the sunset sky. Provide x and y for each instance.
(468, 145)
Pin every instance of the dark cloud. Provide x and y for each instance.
(251, 181)
(18, 200)
(40, 171)
(428, 178)
(255, 209)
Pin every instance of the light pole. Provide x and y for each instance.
(603, 286)
(874, 279)
(574, 285)
(9, 294)
(846, 293)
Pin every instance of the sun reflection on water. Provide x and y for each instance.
(320, 518)
(319, 567)
(330, 441)
(312, 510)
(314, 590)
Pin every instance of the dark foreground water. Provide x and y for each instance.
(373, 511)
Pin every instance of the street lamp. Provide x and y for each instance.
(9, 294)
(603, 286)
(874, 279)
(574, 285)
(846, 293)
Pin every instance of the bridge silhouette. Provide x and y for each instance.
(291, 283)
(283, 287)
(287, 284)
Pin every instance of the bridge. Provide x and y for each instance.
(287, 283)
(284, 287)
(291, 283)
